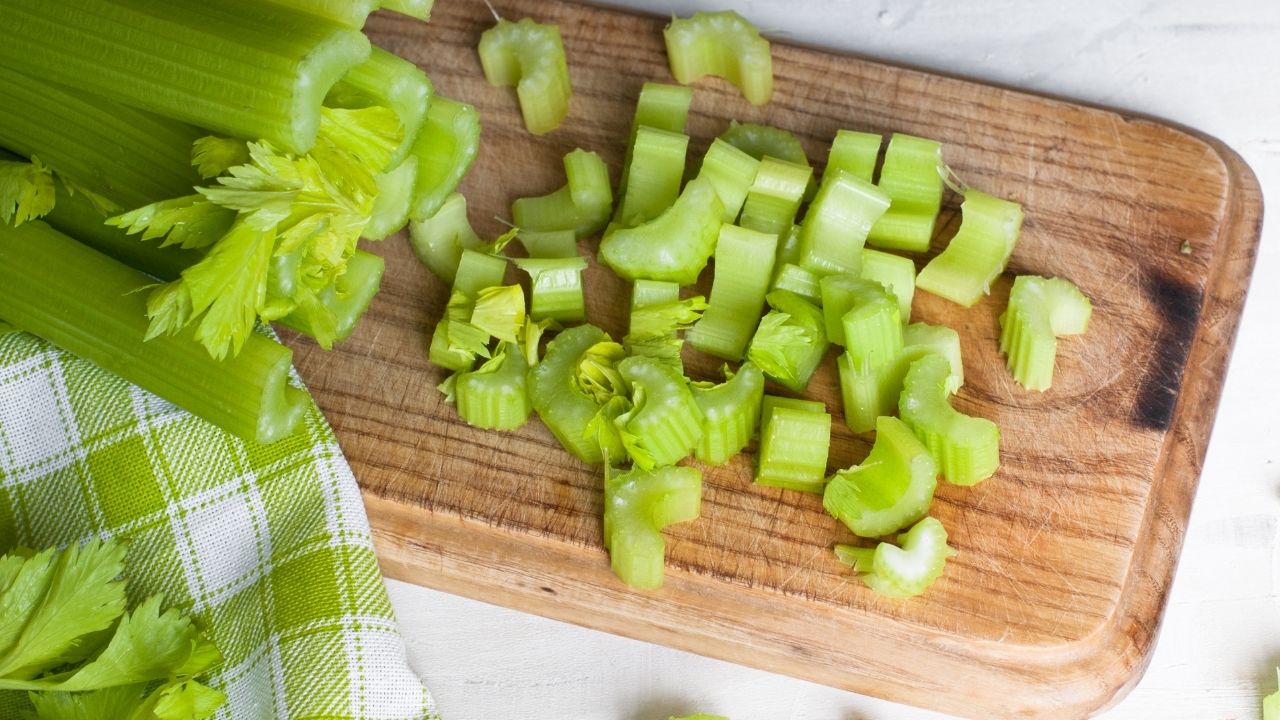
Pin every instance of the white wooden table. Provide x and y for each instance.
(1213, 65)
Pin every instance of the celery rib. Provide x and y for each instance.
(674, 246)
(854, 153)
(438, 240)
(774, 196)
(744, 265)
(653, 175)
(1039, 311)
(445, 148)
(723, 44)
(394, 201)
(661, 107)
(889, 490)
(582, 205)
(896, 273)
(906, 571)
(494, 396)
(637, 506)
(664, 423)
(530, 56)
(836, 224)
(731, 172)
(966, 448)
(911, 178)
(347, 13)
(799, 281)
(392, 82)
(978, 253)
(556, 287)
(790, 341)
(795, 436)
(549, 244)
(730, 411)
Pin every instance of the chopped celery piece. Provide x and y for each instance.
(890, 490)
(654, 175)
(1040, 310)
(391, 81)
(420, 9)
(557, 287)
(867, 391)
(836, 224)
(989, 229)
(395, 196)
(477, 271)
(90, 305)
(910, 177)
(920, 339)
(774, 197)
(967, 448)
(347, 299)
(549, 244)
(662, 107)
(799, 281)
(347, 13)
(854, 153)
(723, 44)
(896, 273)
(761, 141)
(744, 265)
(439, 240)
(445, 148)
(731, 171)
(499, 312)
(674, 246)
(795, 436)
(239, 67)
(902, 572)
(456, 351)
(560, 401)
(789, 247)
(730, 412)
(655, 325)
(597, 372)
(582, 205)
(653, 292)
(637, 506)
(866, 307)
(790, 340)
(664, 423)
(494, 395)
(530, 56)
(27, 191)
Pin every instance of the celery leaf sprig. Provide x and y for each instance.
(26, 190)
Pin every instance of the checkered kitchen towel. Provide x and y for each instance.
(268, 546)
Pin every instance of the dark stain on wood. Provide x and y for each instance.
(1177, 304)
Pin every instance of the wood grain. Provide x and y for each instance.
(1065, 556)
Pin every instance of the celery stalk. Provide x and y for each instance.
(494, 395)
(674, 246)
(920, 339)
(795, 436)
(661, 107)
(637, 506)
(872, 308)
(395, 197)
(890, 490)
(799, 281)
(902, 572)
(653, 175)
(836, 224)
(664, 423)
(967, 448)
(348, 298)
(1040, 310)
(565, 409)
(761, 141)
(391, 81)
(744, 265)
(979, 252)
(658, 315)
(477, 271)
(549, 244)
(790, 340)
(239, 67)
(731, 171)
(896, 273)
(723, 44)
(347, 13)
(556, 287)
(774, 197)
(867, 392)
(438, 240)
(582, 205)
(789, 248)
(854, 153)
(911, 177)
(89, 305)
(730, 412)
(418, 9)
(530, 56)
(445, 148)
(646, 293)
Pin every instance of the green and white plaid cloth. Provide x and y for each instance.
(267, 546)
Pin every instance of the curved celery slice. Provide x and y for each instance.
(239, 67)
(790, 340)
(582, 205)
(395, 196)
(967, 448)
(90, 305)
(347, 13)
(559, 400)
(391, 81)
(867, 392)
(730, 412)
(774, 197)
(439, 240)
(890, 490)
(549, 244)
(799, 281)
(896, 273)
(795, 436)
(556, 286)
(655, 326)
(744, 265)
(723, 44)
(477, 271)
(910, 177)
(674, 246)
(27, 191)
(664, 423)
(731, 171)
(978, 253)
(653, 176)
(854, 153)
(347, 299)
(836, 224)
(1040, 309)
(494, 395)
(920, 339)
(419, 9)
(445, 148)
(637, 506)
(902, 572)
(662, 107)
(653, 292)
(761, 141)
(865, 308)
(530, 56)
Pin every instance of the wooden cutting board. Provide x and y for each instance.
(1065, 557)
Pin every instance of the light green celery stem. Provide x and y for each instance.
(637, 506)
(723, 44)
(836, 224)
(920, 339)
(477, 271)
(438, 240)
(790, 340)
(774, 197)
(789, 247)
(762, 141)
(896, 273)
(978, 253)
(890, 490)
(731, 172)
(910, 176)
(967, 448)
(391, 81)
(89, 305)
(795, 436)
(1040, 309)
(873, 306)
(130, 156)
(238, 67)
(582, 205)
(445, 148)
(495, 399)
(555, 395)
(653, 176)
(347, 13)
(645, 293)
(530, 56)
(867, 392)
(651, 293)
(550, 244)
(439, 350)
(730, 412)
(420, 9)
(854, 153)
(348, 298)
(395, 195)
(744, 266)
(797, 280)
(661, 107)
(556, 286)
(664, 423)
(902, 572)
(674, 246)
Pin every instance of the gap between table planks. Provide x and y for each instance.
(1065, 557)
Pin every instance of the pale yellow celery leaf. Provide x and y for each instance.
(26, 191)
(371, 134)
(500, 311)
(168, 309)
(774, 339)
(228, 287)
(597, 373)
(213, 155)
(105, 206)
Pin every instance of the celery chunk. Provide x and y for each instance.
(637, 505)
(557, 287)
(494, 396)
(582, 205)
(664, 423)
(795, 436)
(731, 171)
(896, 273)
(835, 226)
(854, 153)
(799, 281)
(674, 246)
(890, 490)
(911, 178)
(744, 264)
(445, 148)
(774, 196)
(906, 571)
(549, 244)
(730, 411)
(658, 316)
(558, 397)
(790, 341)
(530, 56)
(395, 199)
(920, 339)
(723, 44)
(966, 448)
(979, 252)
(438, 240)
(761, 141)
(660, 107)
(1040, 310)
(392, 82)
(653, 175)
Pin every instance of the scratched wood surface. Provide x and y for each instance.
(1065, 556)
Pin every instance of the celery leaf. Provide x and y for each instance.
(26, 191)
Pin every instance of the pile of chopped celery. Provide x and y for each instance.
(791, 277)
